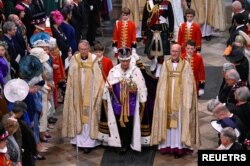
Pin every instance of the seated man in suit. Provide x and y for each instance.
(224, 118)
(228, 140)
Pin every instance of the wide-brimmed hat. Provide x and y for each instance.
(245, 36)
(236, 55)
(218, 125)
(39, 18)
(16, 90)
(124, 54)
(40, 43)
(40, 54)
(40, 39)
(29, 67)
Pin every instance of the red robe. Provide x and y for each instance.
(185, 34)
(124, 34)
(197, 65)
(4, 161)
(107, 65)
(59, 73)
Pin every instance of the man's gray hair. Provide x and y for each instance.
(221, 107)
(232, 74)
(11, 17)
(67, 2)
(229, 133)
(227, 66)
(84, 42)
(8, 25)
(212, 104)
(242, 94)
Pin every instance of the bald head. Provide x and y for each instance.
(14, 18)
(176, 46)
(175, 51)
(236, 7)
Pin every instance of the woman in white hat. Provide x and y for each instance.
(47, 90)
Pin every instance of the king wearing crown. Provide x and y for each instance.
(125, 95)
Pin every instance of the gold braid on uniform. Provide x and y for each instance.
(153, 11)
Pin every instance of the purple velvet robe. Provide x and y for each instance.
(117, 107)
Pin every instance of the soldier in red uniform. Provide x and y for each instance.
(189, 30)
(157, 31)
(105, 63)
(197, 65)
(124, 35)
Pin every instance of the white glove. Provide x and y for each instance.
(201, 92)
(91, 7)
(136, 56)
(115, 49)
(133, 51)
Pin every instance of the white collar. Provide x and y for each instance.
(100, 58)
(228, 147)
(75, 3)
(189, 56)
(28, 6)
(189, 24)
(242, 11)
(4, 150)
(239, 26)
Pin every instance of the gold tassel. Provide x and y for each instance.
(124, 102)
(122, 123)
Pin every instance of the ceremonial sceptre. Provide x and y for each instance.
(105, 77)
